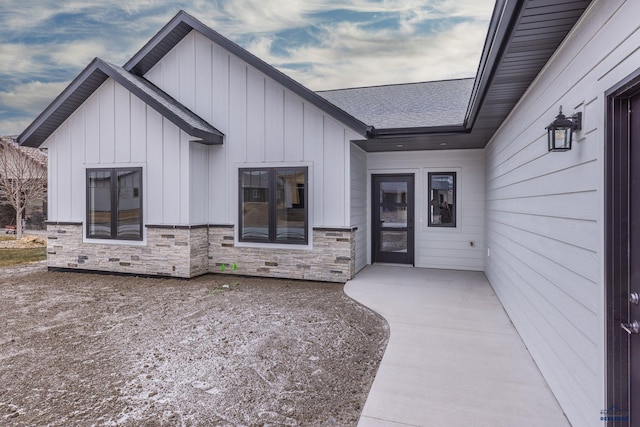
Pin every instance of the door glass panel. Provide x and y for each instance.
(393, 192)
(393, 216)
(393, 204)
(393, 241)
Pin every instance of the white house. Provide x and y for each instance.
(197, 157)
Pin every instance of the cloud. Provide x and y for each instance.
(78, 54)
(31, 97)
(14, 125)
(321, 43)
(349, 53)
(21, 105)
(18, 58)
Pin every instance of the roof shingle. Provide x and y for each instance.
(426, 104)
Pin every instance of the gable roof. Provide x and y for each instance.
(411, 105)
(522, 36)
(96, 73)
(183, 23)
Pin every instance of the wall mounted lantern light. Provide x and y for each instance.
(560, 131)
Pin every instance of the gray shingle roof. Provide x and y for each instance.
(427, 104)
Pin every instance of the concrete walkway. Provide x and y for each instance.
(453, 358)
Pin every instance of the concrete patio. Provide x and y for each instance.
(453, 357)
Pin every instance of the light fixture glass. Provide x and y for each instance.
(560, 131)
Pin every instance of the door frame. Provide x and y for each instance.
(617, 235)
(411, 198)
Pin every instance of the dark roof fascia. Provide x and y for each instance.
(30, 137)
(427, 130)
(503, 21)
(210, 136)
(183, 23)
(84, 85)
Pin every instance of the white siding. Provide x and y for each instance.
(544, 211)
(335, 168)
(122, 125)
(263, 123)
(437, 247)
(106, 102)
(155, 171)
(359, 203)
(199, 183)
(114, 128)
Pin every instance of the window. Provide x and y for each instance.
(442, 199)
(273, 205)
(114, 203)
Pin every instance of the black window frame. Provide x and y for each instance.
(114, 203)
(273, 205)
(454, 211)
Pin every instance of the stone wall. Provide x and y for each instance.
(199, 246)
(182, 251)
(169, 251)
(331, 258)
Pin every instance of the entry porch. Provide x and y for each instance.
(454, 358)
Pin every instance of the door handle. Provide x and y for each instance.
(631, 327)
(634, 298)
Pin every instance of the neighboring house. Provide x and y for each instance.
(197, 156)
(36, 211)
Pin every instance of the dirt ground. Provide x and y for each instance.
(85, 349)
(27, 241)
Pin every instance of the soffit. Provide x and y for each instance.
(523, 35)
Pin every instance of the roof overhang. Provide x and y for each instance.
(522, 36)
(90, 79)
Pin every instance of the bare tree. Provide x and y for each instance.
(22, 179)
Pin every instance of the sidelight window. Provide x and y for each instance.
(442, 199)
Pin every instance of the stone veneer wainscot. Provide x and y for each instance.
(331, 257)
(177, 251)
(188, 251)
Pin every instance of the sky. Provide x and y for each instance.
(322, 44)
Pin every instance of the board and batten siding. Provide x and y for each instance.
(114, 128)
(264, 124)
(545, 211)
(459, 248)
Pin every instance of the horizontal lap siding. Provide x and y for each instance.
(439, 247)
(263, 123)
(545, 211)
(114, 128)
(359, 203)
